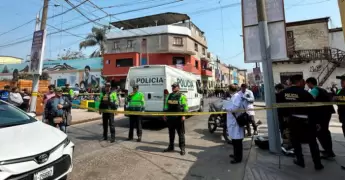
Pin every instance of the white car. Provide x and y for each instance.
(30, 149)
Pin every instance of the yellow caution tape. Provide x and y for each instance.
(278, 105)
(34, 93)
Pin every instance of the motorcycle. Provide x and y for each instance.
(218, 120)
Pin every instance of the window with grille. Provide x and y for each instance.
(129, 43)
(116, 45)
(196, 47)
(178, 41)
(124, 62)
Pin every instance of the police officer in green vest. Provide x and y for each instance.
(136, 102)
(108, 101)
(176, 102)
(68, 92)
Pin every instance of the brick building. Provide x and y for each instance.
(168, 38)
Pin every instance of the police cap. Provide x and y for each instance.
(175, 84)
(341, 77)
(135, 86)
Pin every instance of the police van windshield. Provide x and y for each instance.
(12, 116)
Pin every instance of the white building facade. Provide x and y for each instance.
(314, 51)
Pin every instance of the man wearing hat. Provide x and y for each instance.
(55, 109)
(68, 92)
(176, 102)
(108, 101)
(340, 97)
(136, 102)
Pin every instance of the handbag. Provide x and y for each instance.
(242, 119)
(68, 118)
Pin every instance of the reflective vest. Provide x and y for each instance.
(108, 100)
(136, 101)
(174, 103)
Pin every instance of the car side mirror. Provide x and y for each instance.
(32, 114)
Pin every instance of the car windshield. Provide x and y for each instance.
(12, 116)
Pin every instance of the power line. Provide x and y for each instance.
(35, 19)
(17, 27)
(75, 8)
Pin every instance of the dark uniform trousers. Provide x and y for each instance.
(108, 120)
(135, 121)
(252, 122)
(238, 149)
(342, 120)
(308, 133)
(324, 135)
(176, 124)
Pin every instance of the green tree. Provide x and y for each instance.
(98, 38)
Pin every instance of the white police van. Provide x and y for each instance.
(155, 82)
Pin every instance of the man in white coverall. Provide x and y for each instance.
(235, 131)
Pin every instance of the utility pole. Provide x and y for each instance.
(36, 77)
(272, 116)
(229, 74)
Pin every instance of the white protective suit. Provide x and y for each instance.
(234, 130)
(248, 101)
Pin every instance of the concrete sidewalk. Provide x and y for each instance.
(262, 165)
(82, 116)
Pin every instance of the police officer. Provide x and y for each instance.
(68, 92)
(340, 97)
(176, 102)
(109, 101)
(296, 117)
(136, 102)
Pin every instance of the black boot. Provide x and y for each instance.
(299, 163)
(105, 138)
(169, 149)
(129, 138)
(183, 152)
(318, 167)
(112, 140)
(139, 139)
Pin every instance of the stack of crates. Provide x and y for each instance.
(85, 103)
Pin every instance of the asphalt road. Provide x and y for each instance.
(97, 159)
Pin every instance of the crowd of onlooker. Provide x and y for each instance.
(16, 97)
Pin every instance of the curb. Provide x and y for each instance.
(90, 120)
(259, 105)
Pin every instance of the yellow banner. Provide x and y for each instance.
(341, 4)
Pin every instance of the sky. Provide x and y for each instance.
(222, 26)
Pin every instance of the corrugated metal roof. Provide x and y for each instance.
(152, 20)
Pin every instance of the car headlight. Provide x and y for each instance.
(66, 142)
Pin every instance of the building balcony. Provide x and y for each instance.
(206, 72)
